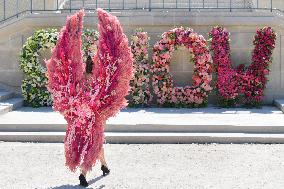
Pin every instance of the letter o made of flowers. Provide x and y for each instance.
(188, 96)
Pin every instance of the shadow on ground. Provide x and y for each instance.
(67, 186)
(76, 187)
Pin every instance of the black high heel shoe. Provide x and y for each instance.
(83, 181)
(105, 170)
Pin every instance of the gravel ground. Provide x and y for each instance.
(41, 165)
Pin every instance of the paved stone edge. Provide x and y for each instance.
(155, 128)
(151, 138)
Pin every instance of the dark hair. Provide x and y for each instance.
(89, 65)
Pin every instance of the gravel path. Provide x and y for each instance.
(31, 165)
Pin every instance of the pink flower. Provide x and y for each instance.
(231, 82)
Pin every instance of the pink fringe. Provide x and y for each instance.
(87, 103)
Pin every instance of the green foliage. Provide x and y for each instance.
(34, 83)
(227, 103)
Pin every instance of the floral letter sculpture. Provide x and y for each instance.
(87, 102)
(140, 94)
(248, 81)
(189, 96)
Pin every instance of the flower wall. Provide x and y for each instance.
(152, 83)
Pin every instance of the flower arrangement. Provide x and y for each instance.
(34, 83)
(241, 85)
(253, 89)
(140, 94)
(189, 96)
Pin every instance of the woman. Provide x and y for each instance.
(88, 100)
(104, 167)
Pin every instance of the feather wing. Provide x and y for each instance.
(65, 68)
(115, 57)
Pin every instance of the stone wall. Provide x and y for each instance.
(12, 7)
(241, 25)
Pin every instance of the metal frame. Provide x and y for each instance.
(124, 2)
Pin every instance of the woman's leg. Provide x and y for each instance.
(104, 166)
(102, 157)
(82, 178)
(84, 173)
